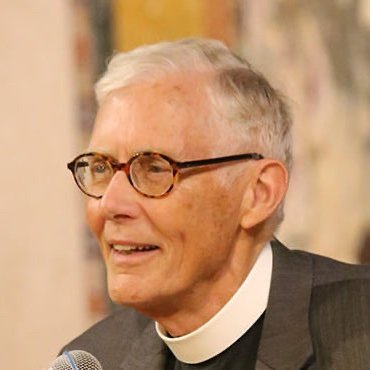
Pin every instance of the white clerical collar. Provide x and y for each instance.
(231, 322)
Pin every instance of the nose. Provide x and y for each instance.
(119, 200)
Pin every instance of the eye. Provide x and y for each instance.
(157, 167)
(151, 165)
(99, 166)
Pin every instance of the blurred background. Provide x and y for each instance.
(317, 52)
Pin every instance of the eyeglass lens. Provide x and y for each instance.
(150, 174)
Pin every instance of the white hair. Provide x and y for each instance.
(255, 111)
(152, 60)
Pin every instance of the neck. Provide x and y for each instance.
(184, 313)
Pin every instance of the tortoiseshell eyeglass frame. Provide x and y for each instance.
(176, 167)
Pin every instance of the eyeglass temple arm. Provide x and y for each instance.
(204, 162)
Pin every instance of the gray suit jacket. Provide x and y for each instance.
(318, 317)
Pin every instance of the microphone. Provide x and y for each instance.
(75, 360)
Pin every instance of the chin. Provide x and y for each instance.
(126, 291)
(145, 299)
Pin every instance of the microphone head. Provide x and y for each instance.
(76, 360)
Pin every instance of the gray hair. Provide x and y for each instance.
(242, 97)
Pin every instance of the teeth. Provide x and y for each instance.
(132, 248)
(125, 248)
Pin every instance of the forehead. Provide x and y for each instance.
(171, 115)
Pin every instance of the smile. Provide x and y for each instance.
(129, 249)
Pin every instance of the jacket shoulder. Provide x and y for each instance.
(339, 316)
(325, 270)
(339, 319)
(108, 338)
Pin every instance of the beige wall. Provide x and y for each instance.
(42, 297)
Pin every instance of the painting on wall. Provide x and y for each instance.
(92, 45)
(318, 54)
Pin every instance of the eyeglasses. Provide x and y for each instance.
(151, 174)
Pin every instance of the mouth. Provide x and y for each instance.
(131, 249)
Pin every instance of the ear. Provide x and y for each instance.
(266, 190)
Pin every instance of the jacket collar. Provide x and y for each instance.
(286, 340)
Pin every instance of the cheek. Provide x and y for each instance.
(216, 218)
(199, 213)
(212, 224)
(93, 217)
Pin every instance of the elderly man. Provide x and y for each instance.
(185, 177)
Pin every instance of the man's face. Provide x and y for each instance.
(195, 228)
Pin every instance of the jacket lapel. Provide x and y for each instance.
(147, 351)
(286, 341)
